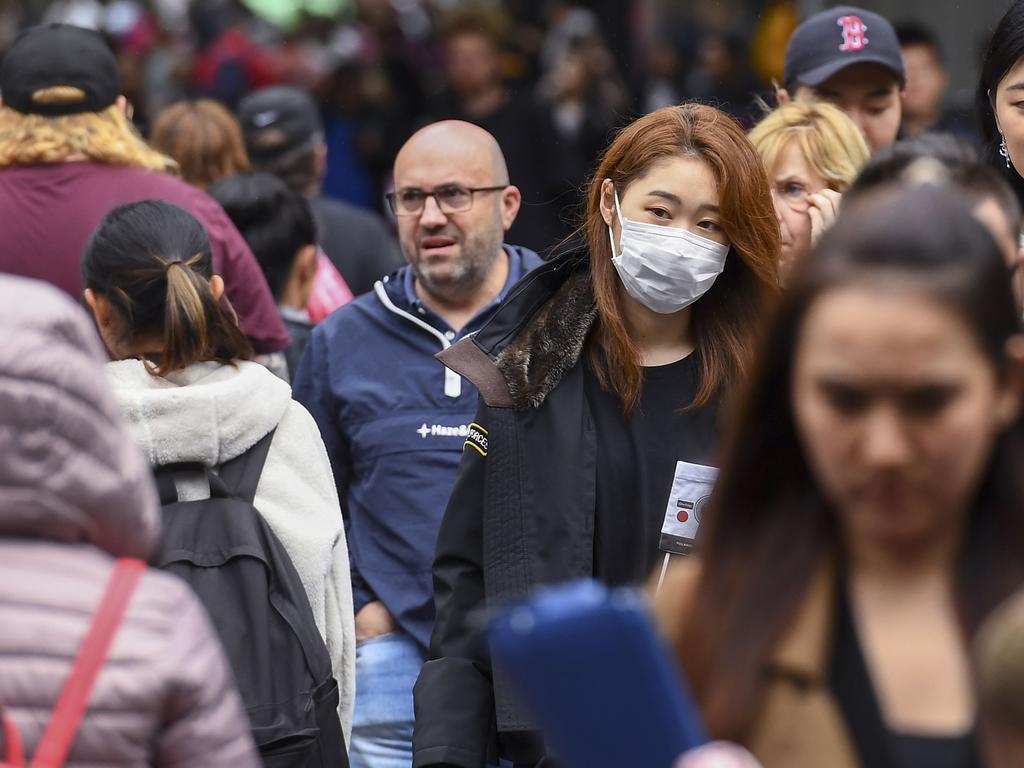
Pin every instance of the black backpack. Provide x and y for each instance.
(225, 550)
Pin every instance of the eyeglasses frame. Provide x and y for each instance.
(392, 200)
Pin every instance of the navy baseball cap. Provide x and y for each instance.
(59, 54)
(830, 41)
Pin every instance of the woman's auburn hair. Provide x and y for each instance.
(204, 138)
(725, 320)
(828, 139)
(106, 137)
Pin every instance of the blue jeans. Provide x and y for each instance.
(386, 671)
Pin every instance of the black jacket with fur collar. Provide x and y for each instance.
(521, 513)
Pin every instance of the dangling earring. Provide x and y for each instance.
(1004, 152)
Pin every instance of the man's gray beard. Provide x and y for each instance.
(473, 269)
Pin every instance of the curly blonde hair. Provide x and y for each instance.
(105, 137)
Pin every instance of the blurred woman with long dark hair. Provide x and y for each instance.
(868, 512)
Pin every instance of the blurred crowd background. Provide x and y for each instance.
(551, 79)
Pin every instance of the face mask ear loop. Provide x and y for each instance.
(618, 212)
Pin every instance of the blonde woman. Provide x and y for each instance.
(812, 152)
(68, 154)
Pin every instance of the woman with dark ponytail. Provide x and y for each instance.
(182, 376)
(149, 280)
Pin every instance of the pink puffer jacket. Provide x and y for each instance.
(74, 493)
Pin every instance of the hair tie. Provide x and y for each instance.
(186, 264)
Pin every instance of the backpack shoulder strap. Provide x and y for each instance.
(165, 485)
(92, 654)
(168, 475)
(242, 473)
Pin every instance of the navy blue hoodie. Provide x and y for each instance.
(394, 421)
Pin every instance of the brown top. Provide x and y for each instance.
(799, 724)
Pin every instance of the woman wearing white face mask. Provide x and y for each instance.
(599, 377)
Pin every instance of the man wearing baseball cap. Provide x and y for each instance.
(850, 57)
(284, 135)
(68, 154)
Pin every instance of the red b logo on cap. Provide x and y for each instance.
(853, 33)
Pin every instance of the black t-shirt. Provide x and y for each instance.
(636, 463)
(877, 745)
(917, 751)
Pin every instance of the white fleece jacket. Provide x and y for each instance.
(211, 413)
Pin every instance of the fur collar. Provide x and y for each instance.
(550, 343)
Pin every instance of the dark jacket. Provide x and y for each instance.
(300, 328)
(356, 241)
(519, 515)
(394, 422)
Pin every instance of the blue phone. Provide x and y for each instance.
(586, 662)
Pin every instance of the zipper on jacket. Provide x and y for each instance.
(452, 380)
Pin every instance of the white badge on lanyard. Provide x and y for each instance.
(691, 491)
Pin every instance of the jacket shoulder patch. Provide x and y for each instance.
(477, 439)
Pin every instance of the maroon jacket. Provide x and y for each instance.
(47, 213)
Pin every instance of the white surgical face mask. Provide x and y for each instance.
(664, 268)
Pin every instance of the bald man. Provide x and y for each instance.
(395, 420)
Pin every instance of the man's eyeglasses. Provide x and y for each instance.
(450, 199)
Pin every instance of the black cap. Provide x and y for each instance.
(278, 119)
(59, 54)
(830, 41)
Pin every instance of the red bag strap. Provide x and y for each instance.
(92, 654)
(14, 752)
